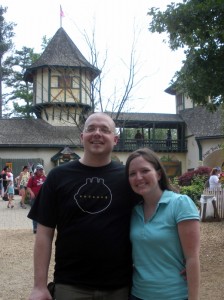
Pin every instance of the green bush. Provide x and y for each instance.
(193, 191)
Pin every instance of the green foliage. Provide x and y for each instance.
(192, 183)
(21, 92)
(6, 33)
(167, 158)
(193, 191)
(198, 27)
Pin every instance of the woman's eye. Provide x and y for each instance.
(131, 174)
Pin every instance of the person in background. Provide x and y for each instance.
(168, 138)
(34, 185)
(164, 234)
(139, 138)
(89, 202)
(22, 182)
(10, 194)
(10, 175)
(214, 181)
(4, 182)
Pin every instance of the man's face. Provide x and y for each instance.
(98, 136)
(40, 172)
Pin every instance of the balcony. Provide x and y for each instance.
(129, 145)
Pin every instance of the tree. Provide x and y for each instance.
(6, 34)
(131, 81)
(15, 67)
(197, 26)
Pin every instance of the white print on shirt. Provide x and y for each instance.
(39, 181)
(98, 200)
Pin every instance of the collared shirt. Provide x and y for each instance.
(156, 249)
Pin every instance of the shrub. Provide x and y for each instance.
(187, 178)
(193, 191)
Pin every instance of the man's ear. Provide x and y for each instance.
(81, 137)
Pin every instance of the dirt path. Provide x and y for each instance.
(16, 263)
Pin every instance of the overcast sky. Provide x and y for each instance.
(115, 22)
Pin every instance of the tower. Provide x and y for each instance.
(62, 80)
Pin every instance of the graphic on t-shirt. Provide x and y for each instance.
(94, 196)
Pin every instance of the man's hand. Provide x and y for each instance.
(40, 294)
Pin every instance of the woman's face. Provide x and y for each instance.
(143, 177)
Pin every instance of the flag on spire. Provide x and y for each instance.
(61, 16)
(61, 12)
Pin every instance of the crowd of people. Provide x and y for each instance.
(27, 183)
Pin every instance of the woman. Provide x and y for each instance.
(164, 234)
(214, 182)
(22, 183)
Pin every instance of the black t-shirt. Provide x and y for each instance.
(90, 207)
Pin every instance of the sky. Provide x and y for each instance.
(116, 24)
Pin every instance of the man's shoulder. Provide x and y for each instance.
(117, 167)
(64, 167)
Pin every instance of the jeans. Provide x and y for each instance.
(34, 222)
(70, 292)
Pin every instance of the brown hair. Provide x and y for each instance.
(152, 158)
(214, 171)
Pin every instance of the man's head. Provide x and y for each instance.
(99, 137)
(39, 169)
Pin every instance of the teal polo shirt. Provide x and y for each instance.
(156, 249)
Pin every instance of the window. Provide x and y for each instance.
(64, 82)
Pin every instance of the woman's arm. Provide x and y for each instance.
(19, 179)
(189, 233)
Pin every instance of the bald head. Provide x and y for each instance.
(100, 116)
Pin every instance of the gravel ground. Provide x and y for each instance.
(16, 263)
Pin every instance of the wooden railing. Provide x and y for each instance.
(128, 145)
(219, 195)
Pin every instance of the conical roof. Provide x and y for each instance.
(62, 52)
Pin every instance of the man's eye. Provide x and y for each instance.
(105, 130)
(90, 129)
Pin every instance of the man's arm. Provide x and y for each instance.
(42, 256)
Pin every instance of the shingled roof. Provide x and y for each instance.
(133, 120)
(36, 133)
(62, 52)
(202, 123)
(152, 117)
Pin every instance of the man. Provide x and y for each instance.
(89, 202)
(139, 138)
(33, 187)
